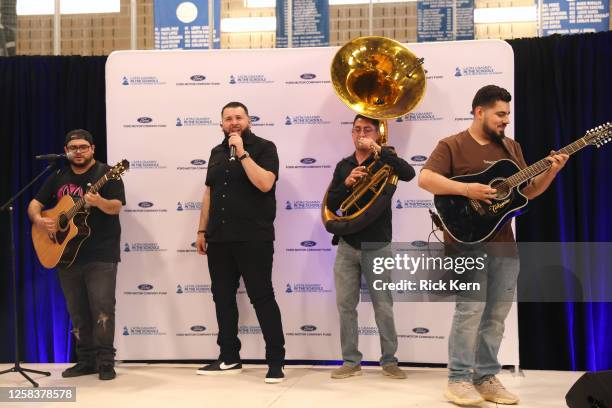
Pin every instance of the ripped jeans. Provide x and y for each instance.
(478, 327)
(89, 289)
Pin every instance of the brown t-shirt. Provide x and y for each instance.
(461, 154)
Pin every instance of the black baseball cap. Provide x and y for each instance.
(78, 134)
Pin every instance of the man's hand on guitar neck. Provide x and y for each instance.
(557, 162)
(542, 181)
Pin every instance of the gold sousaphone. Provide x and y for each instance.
(381, 79)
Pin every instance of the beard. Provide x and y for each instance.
(243, 133)
(493, 135)
(85, 163)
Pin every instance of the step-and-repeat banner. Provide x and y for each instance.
(163, 112)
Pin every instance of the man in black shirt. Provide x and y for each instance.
(347, 267)
(89, 283)
(236, 231)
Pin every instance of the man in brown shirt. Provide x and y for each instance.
(478, 327)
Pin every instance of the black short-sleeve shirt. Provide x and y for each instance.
(103, 243)
(239, 211)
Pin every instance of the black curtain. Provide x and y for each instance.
(41, 98)
(562, 88)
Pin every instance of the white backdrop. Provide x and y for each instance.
(163, 112)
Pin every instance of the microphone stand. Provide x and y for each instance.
(9, 208)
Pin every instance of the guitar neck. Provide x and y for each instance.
(78, 206)
(543, 165)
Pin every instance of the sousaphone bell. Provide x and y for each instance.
(382, 79)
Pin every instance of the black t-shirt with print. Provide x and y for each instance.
(103, 243)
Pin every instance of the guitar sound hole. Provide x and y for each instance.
(63, 222)
(502, 189)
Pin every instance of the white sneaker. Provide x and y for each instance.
(493, 390)
(462, 393)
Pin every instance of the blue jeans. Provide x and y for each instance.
(347, 277)
(478, 327)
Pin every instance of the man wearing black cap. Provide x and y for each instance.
(89, 283)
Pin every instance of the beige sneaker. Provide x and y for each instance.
(462, 393)
(393, 371)
(493, 390)
(346, 371)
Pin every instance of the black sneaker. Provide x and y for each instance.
(275, 375)
(79, 369)
(220, 368)
(107, 372)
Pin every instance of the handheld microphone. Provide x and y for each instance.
(232, 153)
(54, 157)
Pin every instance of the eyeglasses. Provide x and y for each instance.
(366, 130)
(80, 148)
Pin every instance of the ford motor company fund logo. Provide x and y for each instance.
(418, 160)
(308, 163)
(196, 330)
(308, 246)
(307, 78)
(308, 330)
(144, 207)
(144, 122)
(145, 289)
(195, 164)
(420, 333)
(257, 121)
(198, 80)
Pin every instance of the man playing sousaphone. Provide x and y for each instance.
(380, 79)
(347, 267)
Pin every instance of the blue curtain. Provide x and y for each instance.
(41, 98)
(562, 89)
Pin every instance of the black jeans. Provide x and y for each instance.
(89, 289)
(252, 260)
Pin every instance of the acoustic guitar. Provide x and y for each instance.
(472, 221)
(62, 247)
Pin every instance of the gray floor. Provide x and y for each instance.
(306, 386)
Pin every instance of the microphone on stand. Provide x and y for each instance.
(54, 157)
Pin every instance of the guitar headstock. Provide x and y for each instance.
(118, 169)
(600, 135)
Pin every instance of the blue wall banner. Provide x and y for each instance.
(575, 17)
(185, 24)
(435, 20)
(310, 23)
